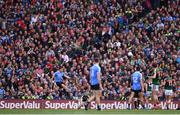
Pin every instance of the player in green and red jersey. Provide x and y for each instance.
(168, 90)
(148, 90)
(155, 86)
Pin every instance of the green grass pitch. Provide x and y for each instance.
(50, 111)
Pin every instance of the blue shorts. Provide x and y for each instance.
(59, 84)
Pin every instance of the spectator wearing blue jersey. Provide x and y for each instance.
(137, 87)
(95, 82)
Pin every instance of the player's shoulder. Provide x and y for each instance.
(56, 72)
(137, 72)
(95, 66)
(98, 67)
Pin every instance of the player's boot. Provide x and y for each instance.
(136, 105)
(98, 108)
(128, 107)
(86, 105)
(167, 107)
(143, 107)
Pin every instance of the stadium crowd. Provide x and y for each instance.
(39, 36)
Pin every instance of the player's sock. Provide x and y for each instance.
(135, 104)
(138, 103)
(143, 106)
(98, 107)
(129, 106)
(167, 107)
(156, 105)
(86, 105)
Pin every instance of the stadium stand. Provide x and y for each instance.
(39, 36)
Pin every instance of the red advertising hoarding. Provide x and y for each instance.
(72, 104)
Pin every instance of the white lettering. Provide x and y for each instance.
(116, 105)
(70, 105)
(17, 105)
(63, 106)
(47, 105)
(109, 106)
(163, 105)
(2, 104)
(74, 105)
(93, 105)
(12, 105)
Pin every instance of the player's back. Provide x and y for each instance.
(94, 70)
(58, 76)
(136, 80)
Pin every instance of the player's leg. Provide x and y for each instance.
(136, 103)
(155, 95)
(98, 95)
(65, 87)
(130, 99)
(136, 100)
(154, 98)
(168, 96)
(66, 90)
(86, 104)
(149, 98)
(83, 101)
(146, 95)
(167, 101)
(141, 97)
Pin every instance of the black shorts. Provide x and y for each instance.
(85, 98)
(136, 92)
(59, 84)
(95, 87)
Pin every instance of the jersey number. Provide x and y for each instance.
(135, 79)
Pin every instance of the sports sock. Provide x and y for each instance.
(135, 104)
(98, 107)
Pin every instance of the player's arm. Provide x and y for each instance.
(53, 74)
(155, 73)
(99, 78)
(145, 86)
(53, 77)
(131, 82)
(67, 76)
(142, 83)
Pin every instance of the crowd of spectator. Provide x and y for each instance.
(39, 36)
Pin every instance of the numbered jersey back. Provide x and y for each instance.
(136, 80)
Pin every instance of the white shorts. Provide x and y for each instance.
(155, 87)
(169, 92)
(149, 93)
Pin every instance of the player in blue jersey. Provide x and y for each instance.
(137, 86)
(95, 82)
(60, 79)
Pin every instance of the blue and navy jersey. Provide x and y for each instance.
(58, 76)
(94, 70)
(136, 80)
